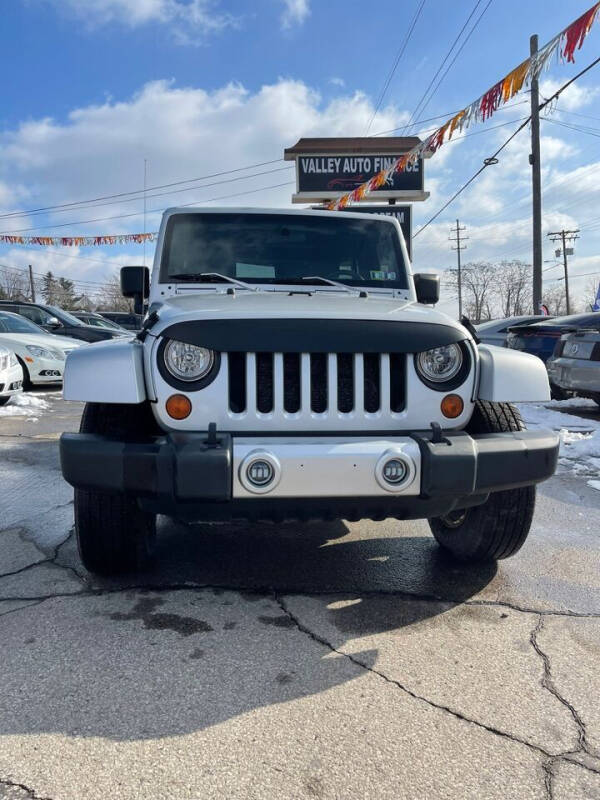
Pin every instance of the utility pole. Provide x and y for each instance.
(31, 284)
(564, 236)
(458, 230)
(536, 184)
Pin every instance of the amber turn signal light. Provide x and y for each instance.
(452, 406)
(178, 406)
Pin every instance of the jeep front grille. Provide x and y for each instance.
(325, 384)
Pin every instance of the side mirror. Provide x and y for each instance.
(52, 322)
(427, 287)
(135, 283)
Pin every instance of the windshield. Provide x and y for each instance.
(100, 322)
(64, 316)
(13, 323)
(283, 248)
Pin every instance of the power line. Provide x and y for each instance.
(154, 210)
(581, 128)
(456, 55)
(137, 214)
(137, 191)
(158, 194)
(441, 66)
(445, 115)
(392, 72)
(491, 160)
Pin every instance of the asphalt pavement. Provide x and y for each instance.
(292, 661)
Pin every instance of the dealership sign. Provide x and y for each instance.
(345, 173)
(328, 168)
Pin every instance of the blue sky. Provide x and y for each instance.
(198, 87)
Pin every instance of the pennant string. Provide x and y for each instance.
(564, 44)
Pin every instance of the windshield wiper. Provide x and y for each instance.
(351, 289)
(201, 277)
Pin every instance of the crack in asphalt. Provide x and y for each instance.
(550, 686)
(30, 793)
(550, 758)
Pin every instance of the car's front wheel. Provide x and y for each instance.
(113, 534)
(498, 528)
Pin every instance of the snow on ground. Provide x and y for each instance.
(579, 436)
(24, 405)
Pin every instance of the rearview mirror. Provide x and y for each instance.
(427, 287)
(52, 322)
(135, 283)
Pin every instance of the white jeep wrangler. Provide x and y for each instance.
(290, 367)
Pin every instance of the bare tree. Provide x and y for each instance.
(14, 285)
(478, 280)
(110, 298)
(556, 300)
(590, 292)
(513, 288)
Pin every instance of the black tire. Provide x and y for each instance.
(498, 528)
(26, 379)
(113, 534)
(4, 400)
(556, 393)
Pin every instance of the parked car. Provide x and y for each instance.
(285, 393)
(575, 364)
(540, 338)
(496, 330)
(11, 375)
(55, 320)
(97, 320)
(41, 355)
(127, 320)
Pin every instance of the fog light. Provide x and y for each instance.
(178, 406)
(259, 472)
(452, 406)
(394, 471)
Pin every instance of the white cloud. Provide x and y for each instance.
(295, 12)
(337, 82)
(187, 18)
(573, 98)
(183, 133)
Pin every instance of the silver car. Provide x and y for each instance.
(575, 364)
(496, 330)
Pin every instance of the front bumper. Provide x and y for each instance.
(575, 374)
(46, 370)
(186, 475)
(11, 381)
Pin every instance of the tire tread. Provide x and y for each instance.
(498, 528)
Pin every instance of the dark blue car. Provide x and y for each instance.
(539, 339)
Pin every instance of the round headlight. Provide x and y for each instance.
(188, 362)
(440, 364)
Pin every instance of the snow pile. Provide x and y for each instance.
(579, 436)
(24, 405)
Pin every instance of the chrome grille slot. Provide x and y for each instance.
(316, 387)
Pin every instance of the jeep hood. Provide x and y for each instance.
(282, 305)
(322, 321)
